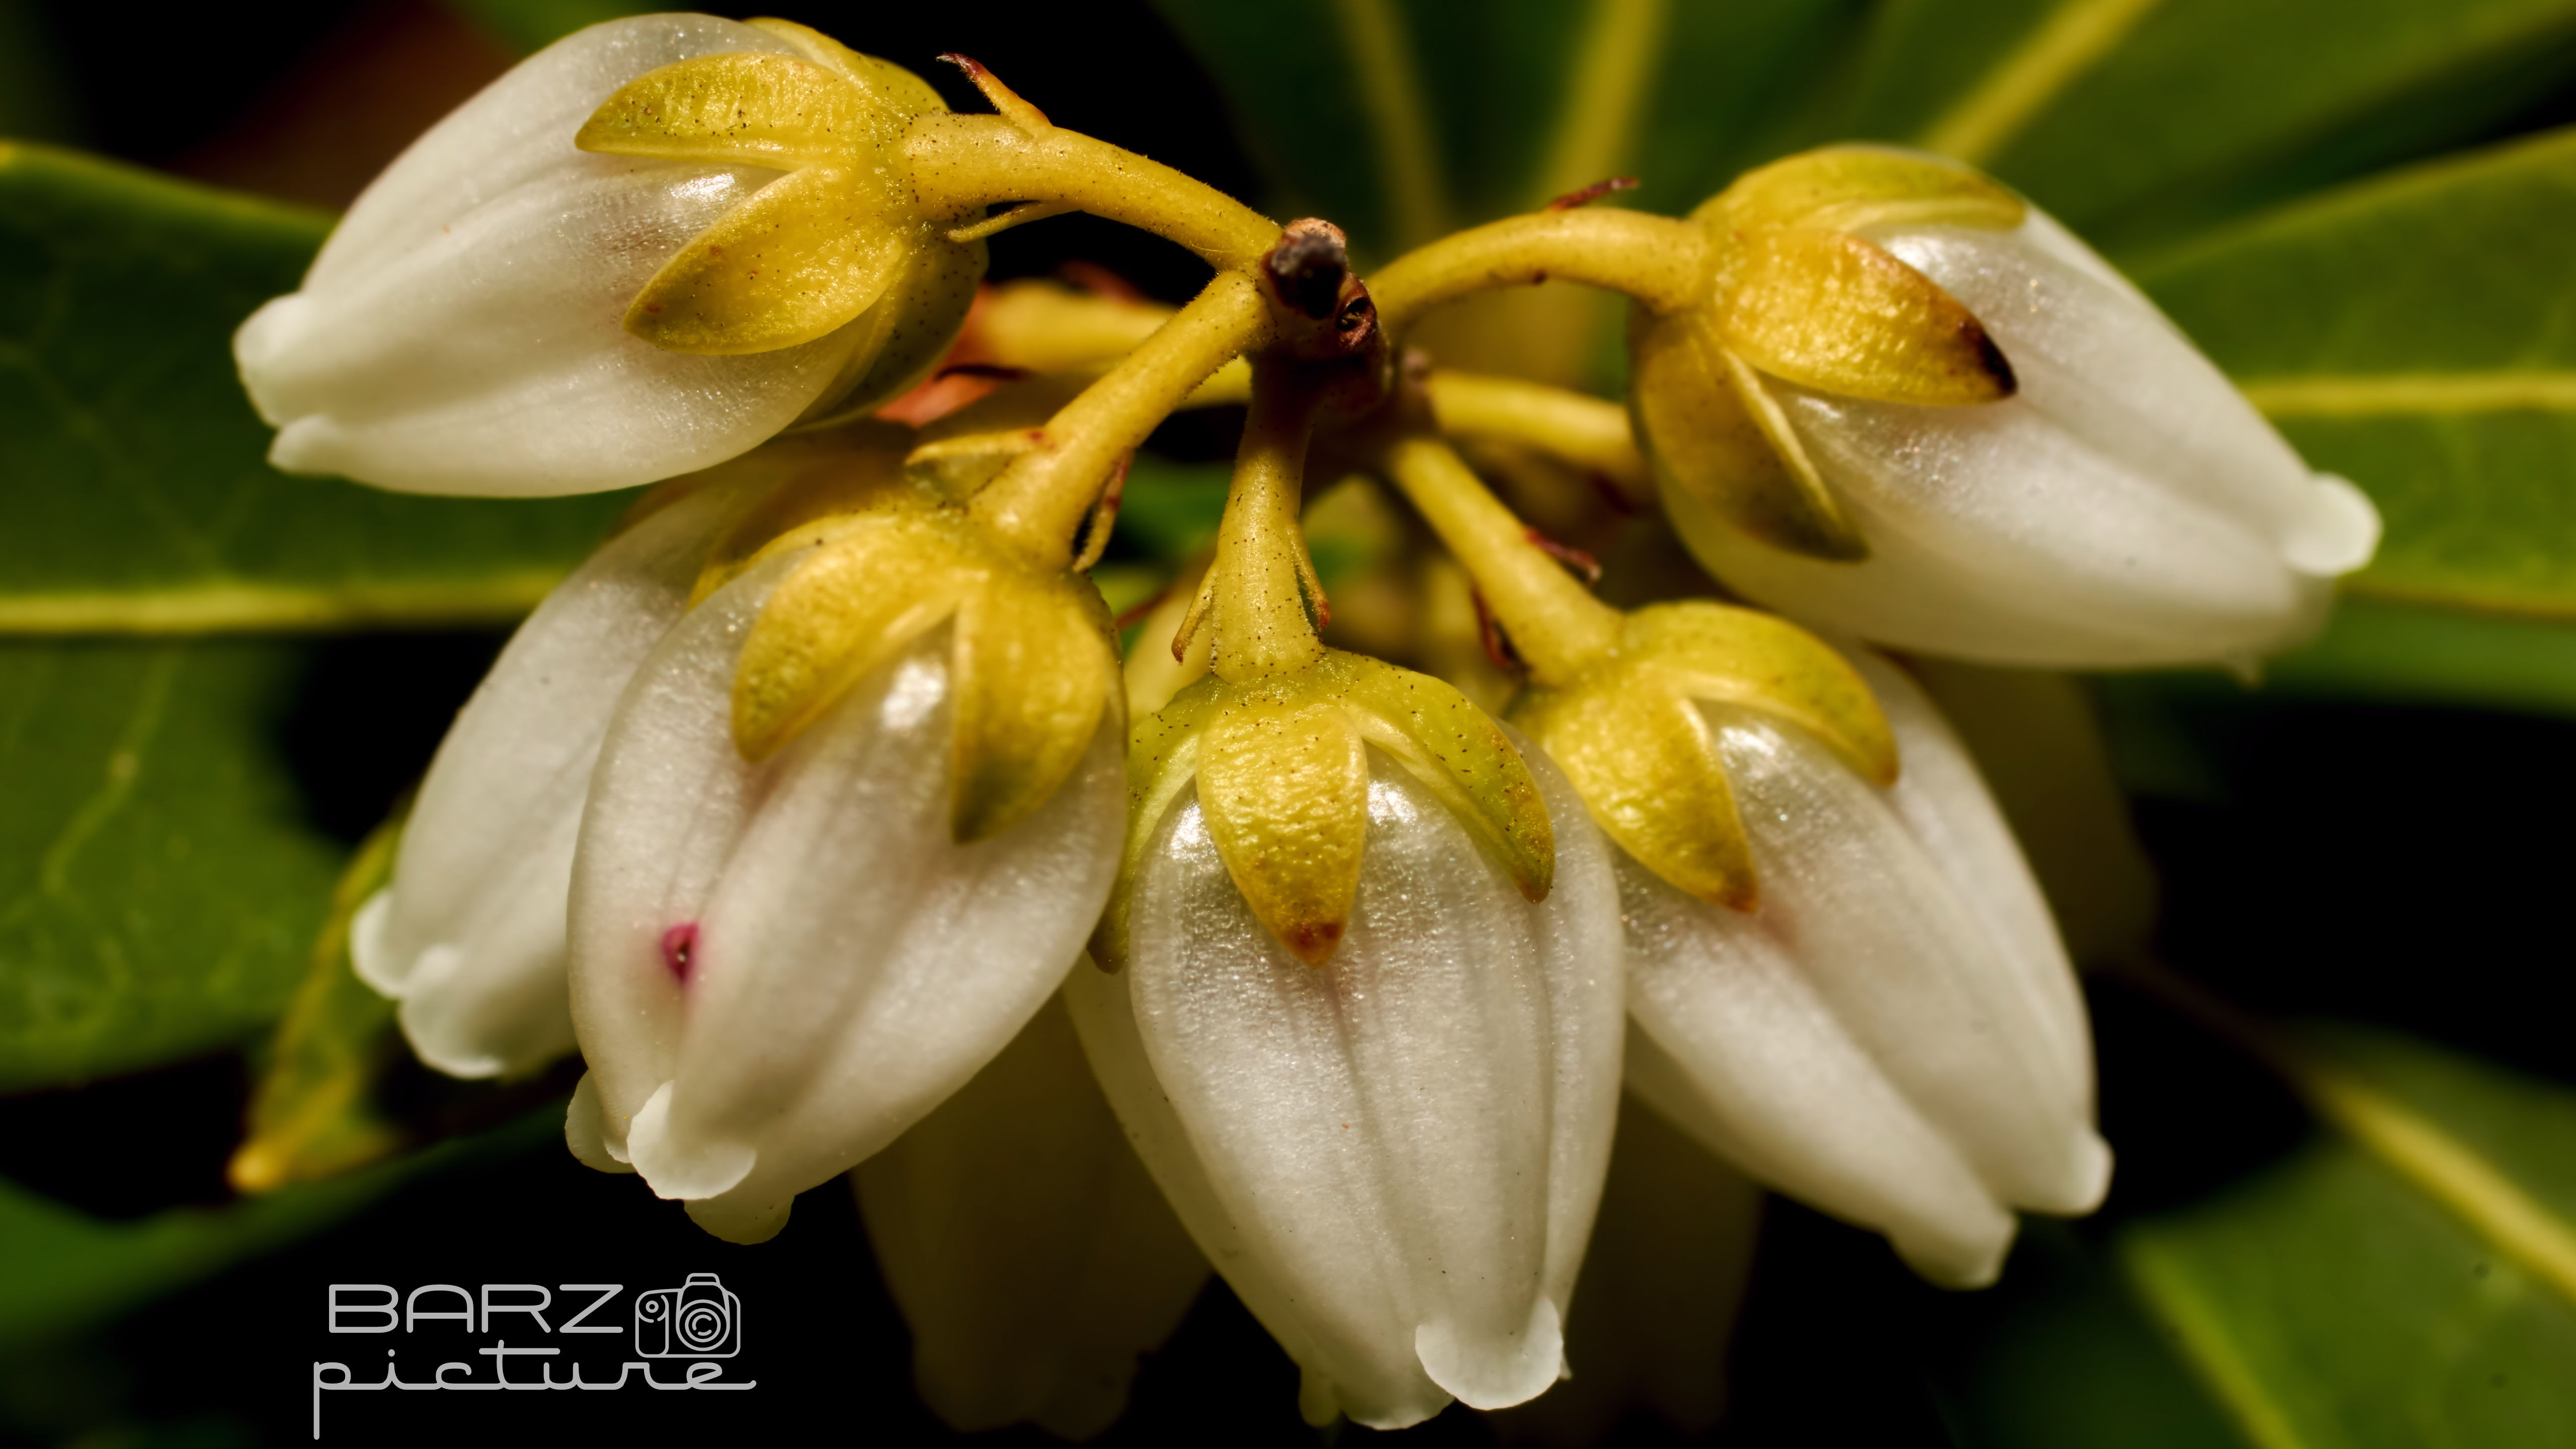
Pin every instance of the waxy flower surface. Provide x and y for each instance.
(1921, 412)
(1894, 1034)
(779, 964)
(1394, 1158)
(467, 327)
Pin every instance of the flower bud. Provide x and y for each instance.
(1033, 1258)
(1394, 1156)
(1894, 1035)
(469, 934)
(548, 294)
(1918, 410)
(848, 830)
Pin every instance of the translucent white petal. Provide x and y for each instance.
(462, 332)
(846, 964)
(2126, 507)
(1032, 1257)
(470, 935)
(1396, 1158)
(1661, 1287)
(1895, 1035)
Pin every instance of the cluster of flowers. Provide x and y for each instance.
(809, 797)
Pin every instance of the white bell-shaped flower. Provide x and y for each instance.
(469, 935)
(778, 967)
(2002, 451)
(1395, 1157)
(1033, 1258)
(1895, 1036)
(463, 330)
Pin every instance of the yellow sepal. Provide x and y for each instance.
(1287, 804)
(803, 257)
(1644, 760)
(846, 611)
(1728, 655)
(1457, 750)
(741, 108)
(1632, 739)
(833, 243)
(1827, 310)
(824, 481)
(1032, 665)
(1847, 188)
(900, 91)
(1711, 431)
(1284, 787)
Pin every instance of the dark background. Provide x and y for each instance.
(2350, 862)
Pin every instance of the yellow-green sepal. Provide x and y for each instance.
(833, 241)
(1847, 188)
(907, 330)
(740, 108)
(1645, 761)
(902, 93)
(842, 614)
(1727, 655)
(1281, 766)
(1032, 662)
(1035, 664)
(1710, 430)
(1284, 788)
(800, 260)
(1831, 311)
(1456, 749)
(1632, 739)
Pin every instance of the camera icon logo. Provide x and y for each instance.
(698, 1319)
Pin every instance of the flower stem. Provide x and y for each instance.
(1042, 498)
(1258, 601)
(963, 164)
(1589, 432)
(1657, 260)
(1557, 626)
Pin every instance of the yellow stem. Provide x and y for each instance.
(962, 164)
(1260, 614)
(1042, 498)
(1558, 627)
(1659, 261)
(1589, 432)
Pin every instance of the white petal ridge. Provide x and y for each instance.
(1895, 1036)
(841, 965)
(1469, 1041)
(2127, 507)
(462, 330)
(470, 933)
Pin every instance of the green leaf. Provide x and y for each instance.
(2405, 1281)
(2060, 1355)
(62, 1271)
(158, 888)
(314, 1112)
(137, 497)
(1480, 109)
(2411, 334)
(2140, 118)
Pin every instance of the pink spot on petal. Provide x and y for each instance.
(680, 949)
